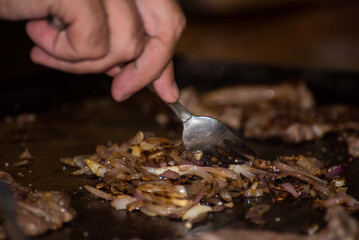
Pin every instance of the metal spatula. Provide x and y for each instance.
(208, 135)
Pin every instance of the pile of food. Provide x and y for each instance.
(35, 212)
(156, 176)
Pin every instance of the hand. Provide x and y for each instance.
(133, 41)
(163, 23)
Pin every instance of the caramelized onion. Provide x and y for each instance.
(335, 171)
(284, 167)
(195, 211)
(122, 201)
(159, 178)
(289, 188)
(98, 192)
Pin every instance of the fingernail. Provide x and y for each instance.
(120, 97)
(113, 71)
(126, 96)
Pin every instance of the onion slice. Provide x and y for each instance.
(285, 167)
(335, 171)
(98, 192)
(289, 188)
(122, 201)
(195, 211)
(160, 171)
(98, 169)
(241, 169)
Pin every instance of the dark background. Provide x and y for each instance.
(305, 33)
(319, 34)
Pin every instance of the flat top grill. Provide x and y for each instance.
(75, 113)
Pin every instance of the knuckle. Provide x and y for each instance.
(92, 45)
(133, 49)
(99, 50)
(92, 51)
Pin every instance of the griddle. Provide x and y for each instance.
(74, 114)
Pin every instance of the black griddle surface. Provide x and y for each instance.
(73, 122)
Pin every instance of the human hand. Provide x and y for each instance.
(133, 41)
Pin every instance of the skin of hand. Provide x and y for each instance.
(130, 40)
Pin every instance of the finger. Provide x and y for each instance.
(162, 18)
(40, 56)
(163, 22)
(166, 86)
(127, 38)
(110, 64)
(24, 10)
(144, 70)
(86, 34)
(113, 71)
(42, 34)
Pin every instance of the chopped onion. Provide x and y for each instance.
(342, 199)
(98, 169)
(122, 201)
(225, 195)
(79, 161)
(289, 188)
(152, 209)
(307, 165)
(164, 194)
(136, 151)
(197, 171)
(159, 178)
(160, 171)
(339, 182)
(98, 192)
(195, 211)
(199, 195)
(170, 175)
(222, 184)
(253, 193)
(242, 169)
(225, 173)
(335, 171)
(85, 170)
(284, 167)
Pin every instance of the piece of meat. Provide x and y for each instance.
(37, 211)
